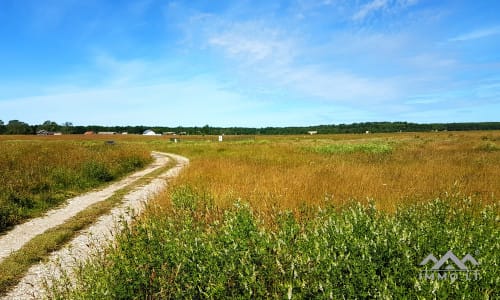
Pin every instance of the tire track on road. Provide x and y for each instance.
(96, 235)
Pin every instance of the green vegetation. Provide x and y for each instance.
(193, 250)
(18, 127)
(13, 268)
(375, 148)
(38, 175)
(289, 217)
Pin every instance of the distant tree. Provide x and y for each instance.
(18, 127)
(67, 127)
(205, 129)
(49, 126)
(2, 127)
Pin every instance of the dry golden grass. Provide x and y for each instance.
(286, 172)
(38, 174)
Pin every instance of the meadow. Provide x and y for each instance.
(288, 171)
(299, 217)
(37, 174)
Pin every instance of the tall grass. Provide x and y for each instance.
(391, 169)
(194, 250)
(38, 175)
(288, 218)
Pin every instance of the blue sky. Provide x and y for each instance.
(249, 63)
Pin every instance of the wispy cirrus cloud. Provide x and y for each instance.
(477, 34)
(374, 6)
(250, 63)
(369, 8)
(254, 42)
(281, 60)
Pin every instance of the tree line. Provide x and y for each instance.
(19, 127)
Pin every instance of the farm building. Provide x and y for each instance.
(149, 132)
(46, 132)
(89, 133)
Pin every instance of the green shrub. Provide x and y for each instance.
(8, 214)
(488, 147)
(193, 252)
(93, 170)
(372, 148)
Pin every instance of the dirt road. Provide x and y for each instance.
(100, 233)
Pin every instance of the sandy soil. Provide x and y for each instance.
(94, 237)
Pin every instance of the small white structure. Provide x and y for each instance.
(312, 132)
(149, 132)
(220, 138)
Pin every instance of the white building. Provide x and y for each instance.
(149, 132)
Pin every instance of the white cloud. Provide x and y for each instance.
(253, 42)
(476, 34)
(335, 87)
(276, 59)
(254, 50)
(369, 8)
(431, 61)
(381, 5)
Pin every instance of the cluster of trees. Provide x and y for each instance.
(19, 127)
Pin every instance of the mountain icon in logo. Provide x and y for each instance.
(449, 256)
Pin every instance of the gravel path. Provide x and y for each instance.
(95, 236)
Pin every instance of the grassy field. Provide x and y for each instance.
(391, 169)
(328, 217)
(298, 217)
(37, 174)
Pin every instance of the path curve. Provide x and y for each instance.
(96, 235)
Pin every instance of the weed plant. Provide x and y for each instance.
(195, 250)
(305, 227)
(375, 148)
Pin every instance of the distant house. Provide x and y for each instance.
(106, 132)
(312, 132)
(44, 132)
(149, 132)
